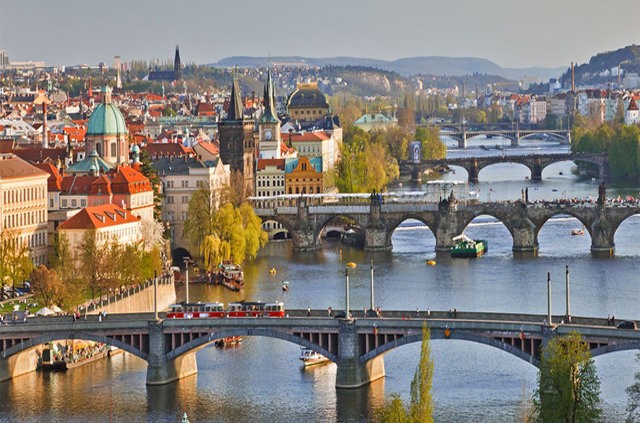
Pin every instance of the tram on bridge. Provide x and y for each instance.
(217, 310)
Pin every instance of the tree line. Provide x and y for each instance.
(620, 142)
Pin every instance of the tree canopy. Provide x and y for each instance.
(568, 386)
(420, 408)
(219, 230)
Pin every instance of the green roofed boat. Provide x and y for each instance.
(467, 247)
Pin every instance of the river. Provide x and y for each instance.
(261, 380)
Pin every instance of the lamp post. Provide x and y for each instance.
(549, 297)
(568, 298)
(372, 298)
(346, 273)
(155, 294)
(186, 277)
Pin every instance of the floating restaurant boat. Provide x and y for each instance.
(311, 358)
(78, 354)
(467, 247)
(230, 275)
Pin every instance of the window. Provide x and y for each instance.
(185, 199)
(184, 216)
(185, 184)
(170, 199)
(74, 203)
(83, 203)
(64, 202)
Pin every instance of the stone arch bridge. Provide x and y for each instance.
(535, 163)
(305, 217)
(515, 135)
(356, 345)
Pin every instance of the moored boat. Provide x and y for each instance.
(230, 275)
(467, 247)
(310, 358)
(577, 231)
(229, 341)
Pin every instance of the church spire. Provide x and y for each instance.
(235, 103)
(270, 114)
(176, 60)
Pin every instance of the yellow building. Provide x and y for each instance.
(305, 177)
(23, 205)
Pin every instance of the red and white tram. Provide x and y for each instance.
(255, 309)
(196, 310)
(216, 310)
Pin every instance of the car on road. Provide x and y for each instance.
(628, 324)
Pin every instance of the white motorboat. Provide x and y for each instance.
(310, 358)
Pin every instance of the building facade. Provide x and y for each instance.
(23, 205)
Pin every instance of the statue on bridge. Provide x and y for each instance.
(602, 193)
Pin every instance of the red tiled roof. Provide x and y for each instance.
(632, 105)
(263, 163)
(39, 154)
(127, 180)
(98, 217)
(54, 183)
(212, 148)
(14, 167)
(165, 149)
(309, 136)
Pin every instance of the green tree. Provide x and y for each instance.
(15, 262)
(432, 146)
(93, 273)
(568, 386)
(224, 232)
(147, 169)
(633, 397)
(420, 407)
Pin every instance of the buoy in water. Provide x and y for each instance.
(273, 271)
(431, 262)
(351, 264)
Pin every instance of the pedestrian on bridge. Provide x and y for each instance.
(417, 312)
(309, 311)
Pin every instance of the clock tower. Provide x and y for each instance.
(269, 125)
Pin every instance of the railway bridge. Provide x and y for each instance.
(462, 134)
(357, 345)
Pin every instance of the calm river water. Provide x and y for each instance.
(261, 380)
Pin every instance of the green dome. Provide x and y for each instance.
(106, 119)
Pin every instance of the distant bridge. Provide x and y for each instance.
(463, 133)
(356, 345)
(535, 162)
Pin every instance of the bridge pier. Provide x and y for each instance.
(472, 171)
(18, 364)
(352, 373)
(515, 141)
(524, 235)
(602, 236)
(160, 370)
(462, 142)
(376, 237)
(536, 170)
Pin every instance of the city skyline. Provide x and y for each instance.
(544, 33)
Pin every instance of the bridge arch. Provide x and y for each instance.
(482, 166)
(202, 341)
(456, 335)
(567, 212)
(88, 336)
(503, 219)
(623, 346)
(396, 223)
(327, 220)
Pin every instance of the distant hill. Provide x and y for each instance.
(595, 72)
(427, 65)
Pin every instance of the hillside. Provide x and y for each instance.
(427, 65)
(595, 72)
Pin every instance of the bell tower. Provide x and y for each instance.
(269, 125)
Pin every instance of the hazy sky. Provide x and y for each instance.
(512, 33)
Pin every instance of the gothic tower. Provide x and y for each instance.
(177, 67)
(237, 145)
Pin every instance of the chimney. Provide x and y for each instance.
(573, 79)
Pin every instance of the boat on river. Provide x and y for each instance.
(311, 358)
(230, 275)
(577, 231)
(229, 341)
(75, 355)
(467, 247)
